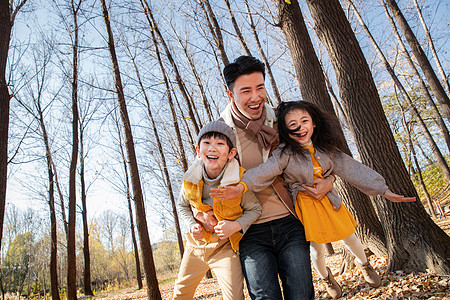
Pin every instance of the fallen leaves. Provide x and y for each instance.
(395, 285)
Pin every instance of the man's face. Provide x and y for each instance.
(249, 94)
(215, 154)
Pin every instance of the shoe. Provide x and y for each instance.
(333, 288)
(369, 274)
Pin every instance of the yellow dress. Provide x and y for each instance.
(322, 223)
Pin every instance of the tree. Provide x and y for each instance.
(17, 261)
(313, 88)
(423, 87)
(130, 208)
(71, 251)
(422, 59)
(146, 247)
(414, 241)
(432, 47)
(434, 147)
(6, 23)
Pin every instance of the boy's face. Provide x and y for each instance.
(249, 94)
(215, 154)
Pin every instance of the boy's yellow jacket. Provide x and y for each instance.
(223, 209)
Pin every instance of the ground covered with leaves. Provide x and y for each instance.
(395, 285)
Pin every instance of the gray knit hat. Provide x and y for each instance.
(218, 126)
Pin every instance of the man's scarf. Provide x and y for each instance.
(267, 136)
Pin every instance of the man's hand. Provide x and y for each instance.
(208, 219)
(226, 228)
(319, 189)
(397, 198)
(196, 231)
(227, 192)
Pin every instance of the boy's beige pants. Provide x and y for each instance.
(216, 255)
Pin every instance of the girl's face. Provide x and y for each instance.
(301, 126)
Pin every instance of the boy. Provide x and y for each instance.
(216, 249)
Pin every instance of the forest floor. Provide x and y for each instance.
(395, 285)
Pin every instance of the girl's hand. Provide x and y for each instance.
(196, 231)
(227, 192)
(397, 198)
(227, 228)
(319, 189)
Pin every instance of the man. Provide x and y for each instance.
(275, 245)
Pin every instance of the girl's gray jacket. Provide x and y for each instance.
(297, 169)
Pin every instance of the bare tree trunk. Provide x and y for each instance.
(263, 55)
(313, 88)
(437, 153)
(419, 171)
(432, 48)
(172, 107)
(71, 242)
(237, 29)
(422, 59)
(415, 242)
(197, 77)
(153, 292)
(437, 116)
(51, 202)
(215, 29)
(178, 78)
(6, 23)
(5, 35)
(161, 152)
(130, 210)
(87, 257)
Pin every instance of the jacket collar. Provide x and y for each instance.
(231, 175)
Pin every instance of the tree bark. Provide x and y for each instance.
(237, 29)
(130, 210)
(313, 88)
(153, 292)
(5, 36)
(6, 24)
(71, 242)
(215, 29)
(422, 59)
(414, 241)
(51, 202)
(87, 257)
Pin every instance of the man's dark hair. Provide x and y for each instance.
(242, 65)
(217, 135)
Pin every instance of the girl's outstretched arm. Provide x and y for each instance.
(397, 198)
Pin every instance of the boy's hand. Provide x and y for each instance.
(196, 231)
(397, 198)
(319, 189)
(227, 192)
(208, 219)
(226, 228)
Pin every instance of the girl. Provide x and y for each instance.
(310, 148)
